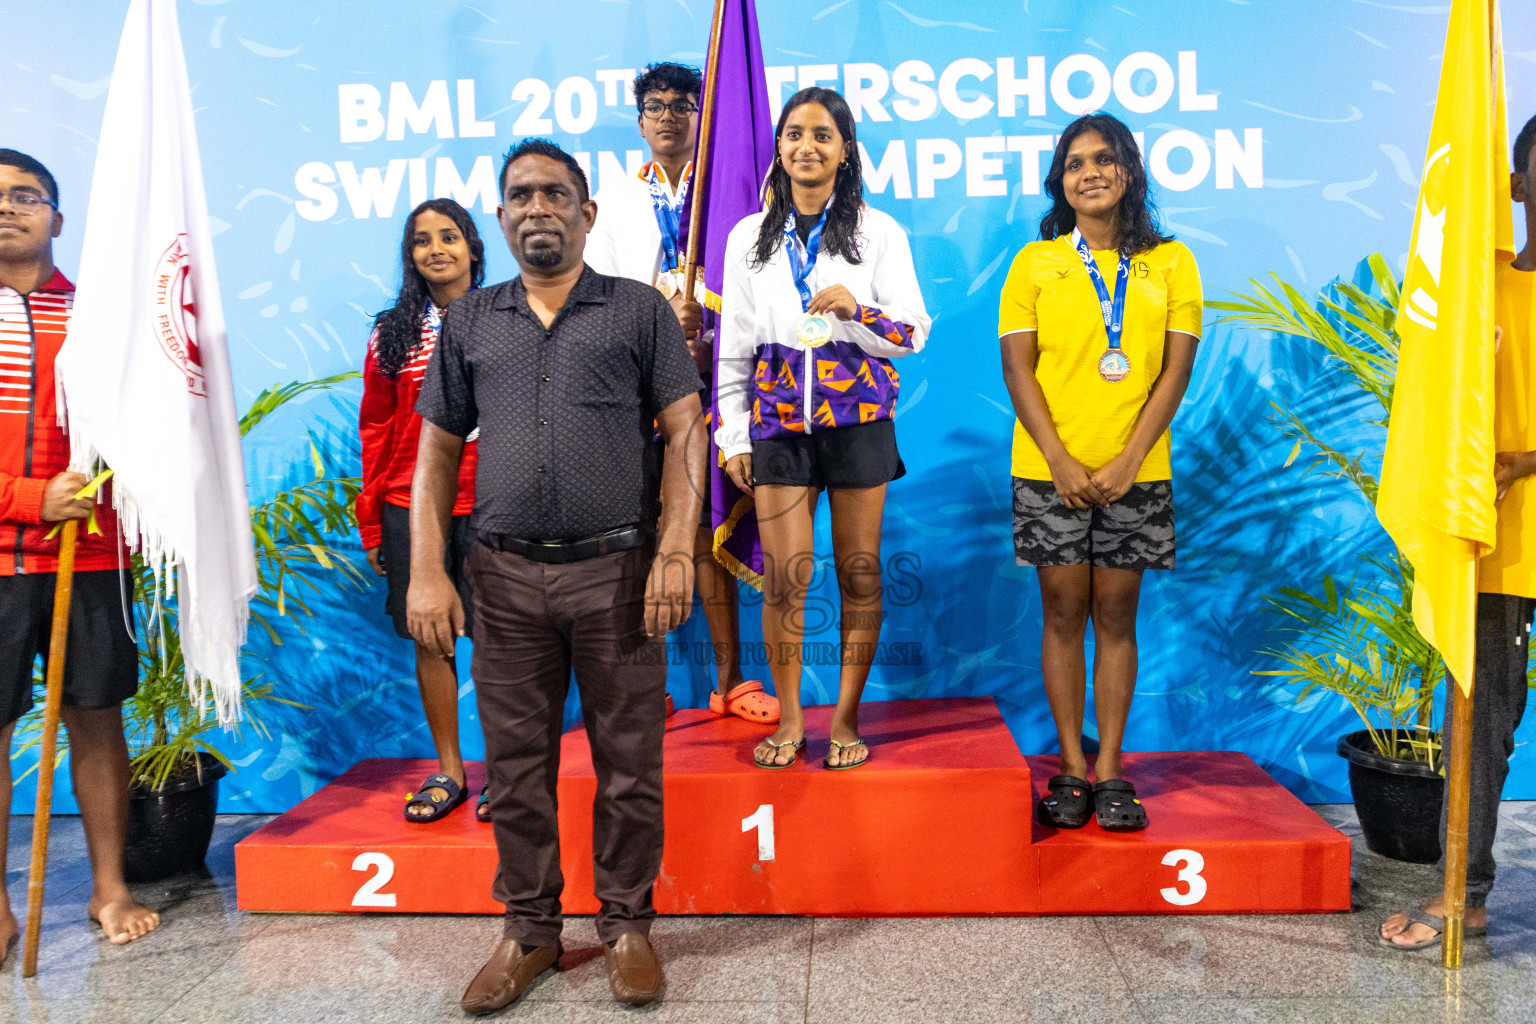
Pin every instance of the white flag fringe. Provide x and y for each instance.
(144, 379)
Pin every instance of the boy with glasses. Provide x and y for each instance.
(36, 492)
(637, 230)
(638, 236)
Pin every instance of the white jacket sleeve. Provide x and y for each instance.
(602, 243)
(736, 348)
(896, 291)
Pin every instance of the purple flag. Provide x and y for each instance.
(740, 154)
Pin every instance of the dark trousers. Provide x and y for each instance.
(1498, 703)
(534, 625)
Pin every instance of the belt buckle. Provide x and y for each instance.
(552, 553)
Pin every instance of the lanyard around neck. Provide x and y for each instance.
(1113, 310)
(668, 209)
(802, 265)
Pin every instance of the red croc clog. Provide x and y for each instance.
(747, 701)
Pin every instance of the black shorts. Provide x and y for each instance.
(838, 459)
(101, 660)
(1135, 532)
(395, 549)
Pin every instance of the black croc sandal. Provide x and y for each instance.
(1066, 802)
(483, 805)
(438, 805)
(1116, 807)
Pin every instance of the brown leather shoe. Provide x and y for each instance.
(507, 975)
(634, 973)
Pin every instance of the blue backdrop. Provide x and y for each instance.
(1283, 135)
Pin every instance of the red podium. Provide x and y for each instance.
(1224, 838)
(939, 823)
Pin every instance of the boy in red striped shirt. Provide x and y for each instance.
(36, 491)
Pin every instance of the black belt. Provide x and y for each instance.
(558, 552)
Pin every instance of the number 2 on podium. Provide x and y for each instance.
(762, 820)
(368, 895)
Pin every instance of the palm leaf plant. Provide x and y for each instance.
(295, 532)
(1357, 639)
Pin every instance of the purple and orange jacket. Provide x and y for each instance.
(769, 385)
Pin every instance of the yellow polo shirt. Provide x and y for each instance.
(1511, 567)
(1048, 291)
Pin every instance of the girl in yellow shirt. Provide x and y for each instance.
(1099, 321)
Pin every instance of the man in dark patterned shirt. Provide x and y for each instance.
(566, 373)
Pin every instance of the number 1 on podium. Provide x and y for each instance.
(762, 820)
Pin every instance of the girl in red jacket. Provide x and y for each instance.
(441, 258)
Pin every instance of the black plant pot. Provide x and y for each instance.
(169, 828)
(1398, 802)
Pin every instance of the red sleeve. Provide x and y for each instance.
(21, 498)
(376, 424)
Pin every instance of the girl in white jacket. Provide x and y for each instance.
(820, 295)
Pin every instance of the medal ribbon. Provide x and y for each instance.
(800, 265)
(1113, 311)
(668, 212)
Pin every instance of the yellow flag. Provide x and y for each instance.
(1437, 490)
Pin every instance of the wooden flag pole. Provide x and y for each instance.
(63, 587)
(1458, 771)
(701, 162)
(1458, 775)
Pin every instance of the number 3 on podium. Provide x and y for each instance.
(1189, 873)
(762, 820)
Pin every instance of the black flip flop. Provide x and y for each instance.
(772, 764)
(1116, 807)
(439, 805)
(1066, 802)
(483, 805)
(826, 762)
(1418, 915)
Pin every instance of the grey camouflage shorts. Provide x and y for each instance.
(1135, 532)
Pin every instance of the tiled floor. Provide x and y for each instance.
(211, 963)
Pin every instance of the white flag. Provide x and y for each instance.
(144, 375)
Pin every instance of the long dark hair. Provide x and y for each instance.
(1137, 221)
(399, 326)
(840, 236)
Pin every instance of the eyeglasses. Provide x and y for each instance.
(681, 109)
(26, 203)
